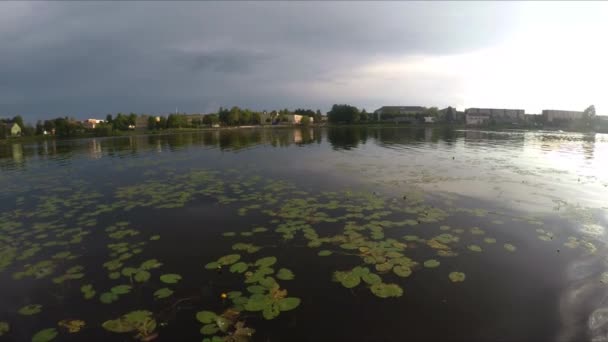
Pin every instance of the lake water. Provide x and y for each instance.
(358, 234)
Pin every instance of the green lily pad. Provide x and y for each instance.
(45, 335)
(383, 290)
(257, 289)
(239, 267)
(150, 264)
(457, 277)
(209, 329)
(155, 237)
(402, 271)
(206, 317)
(545, 237)
(371, 278)
(265, 262)
(163, 293)
(285, 274)
(271, 311)
(489, 240)
(350, 280)
(121, 289)
(142, 276)
(288, 303)
(432, 263)
(228, 259)
(324, 253)
(259, 230)
(108, 297)
(411, 238)
(509, 247)
(474, 248)
(229, 234)
(114, 275)
(4, 328)
(213, 265)
(604, 278)
(170, 278)
(31, 309)
(384, 267)
(257, 302)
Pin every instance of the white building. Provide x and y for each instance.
(549, 115)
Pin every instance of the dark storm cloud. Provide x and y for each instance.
(86, 59)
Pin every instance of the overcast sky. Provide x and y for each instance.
(86, 59)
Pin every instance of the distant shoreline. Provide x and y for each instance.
(170, 131)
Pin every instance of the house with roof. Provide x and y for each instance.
(15, 130)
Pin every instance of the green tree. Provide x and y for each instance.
(152, 123)
(211, 119)
(318, 116)
(305, 121)
(39, 127)
(109, 118)
(343, 113)
(363, 116)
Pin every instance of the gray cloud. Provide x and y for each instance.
(91, 58)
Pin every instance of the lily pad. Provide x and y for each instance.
(71, 325)
(288, 303)
(324, 253)
(350, 280)
(457, 277)
(239, 267)
(509, 247)
(4, 327)
(206, 316)
(155, 237)
(45, 335)
(142, 276)
(213, 265)
(285, 274)
(31, 309)
(265, 262)
(108, 297)
(474, 248)
(402, 271)
(371, 278)
(209, 329)
(170, 278)
(489, 240)
(163, 293)
(432, 263)
(121, 289)
(229, 234)
(383, 290)
(228, 259)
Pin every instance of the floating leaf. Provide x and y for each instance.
(150, 264)
(402, 271)
(4, 327)
(509, 247)
(265, 262)
(489, 240)
(163, 293)
(239, 267)
(545, 237)
(213, 265)
(121, 289)
(170, 278)
(228, 259)
(324, 253)
(108, 297)
(206, 316)
(114, 275)
(209, 329)
(142, 276)
(457, 277)
(474, 248)
(229, 234)
(30, 309)
(371, 278)
(285, 274)
(72, 325)
(88, 291)
(386, 290)
(604, 278)
(432, 263)
(350, 280)
(45, 335)
(288, 303)
(155, 237)
(259, 230)
(271, 311)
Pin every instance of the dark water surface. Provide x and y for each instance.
(520, 216)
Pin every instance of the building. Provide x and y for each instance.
(398, 113)
(194, 118)
(91, 123)
(15, 130)
(497, 115)
(429, 119)
(297, 119)
(550, 115)
(141, 122)
(474, 119)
